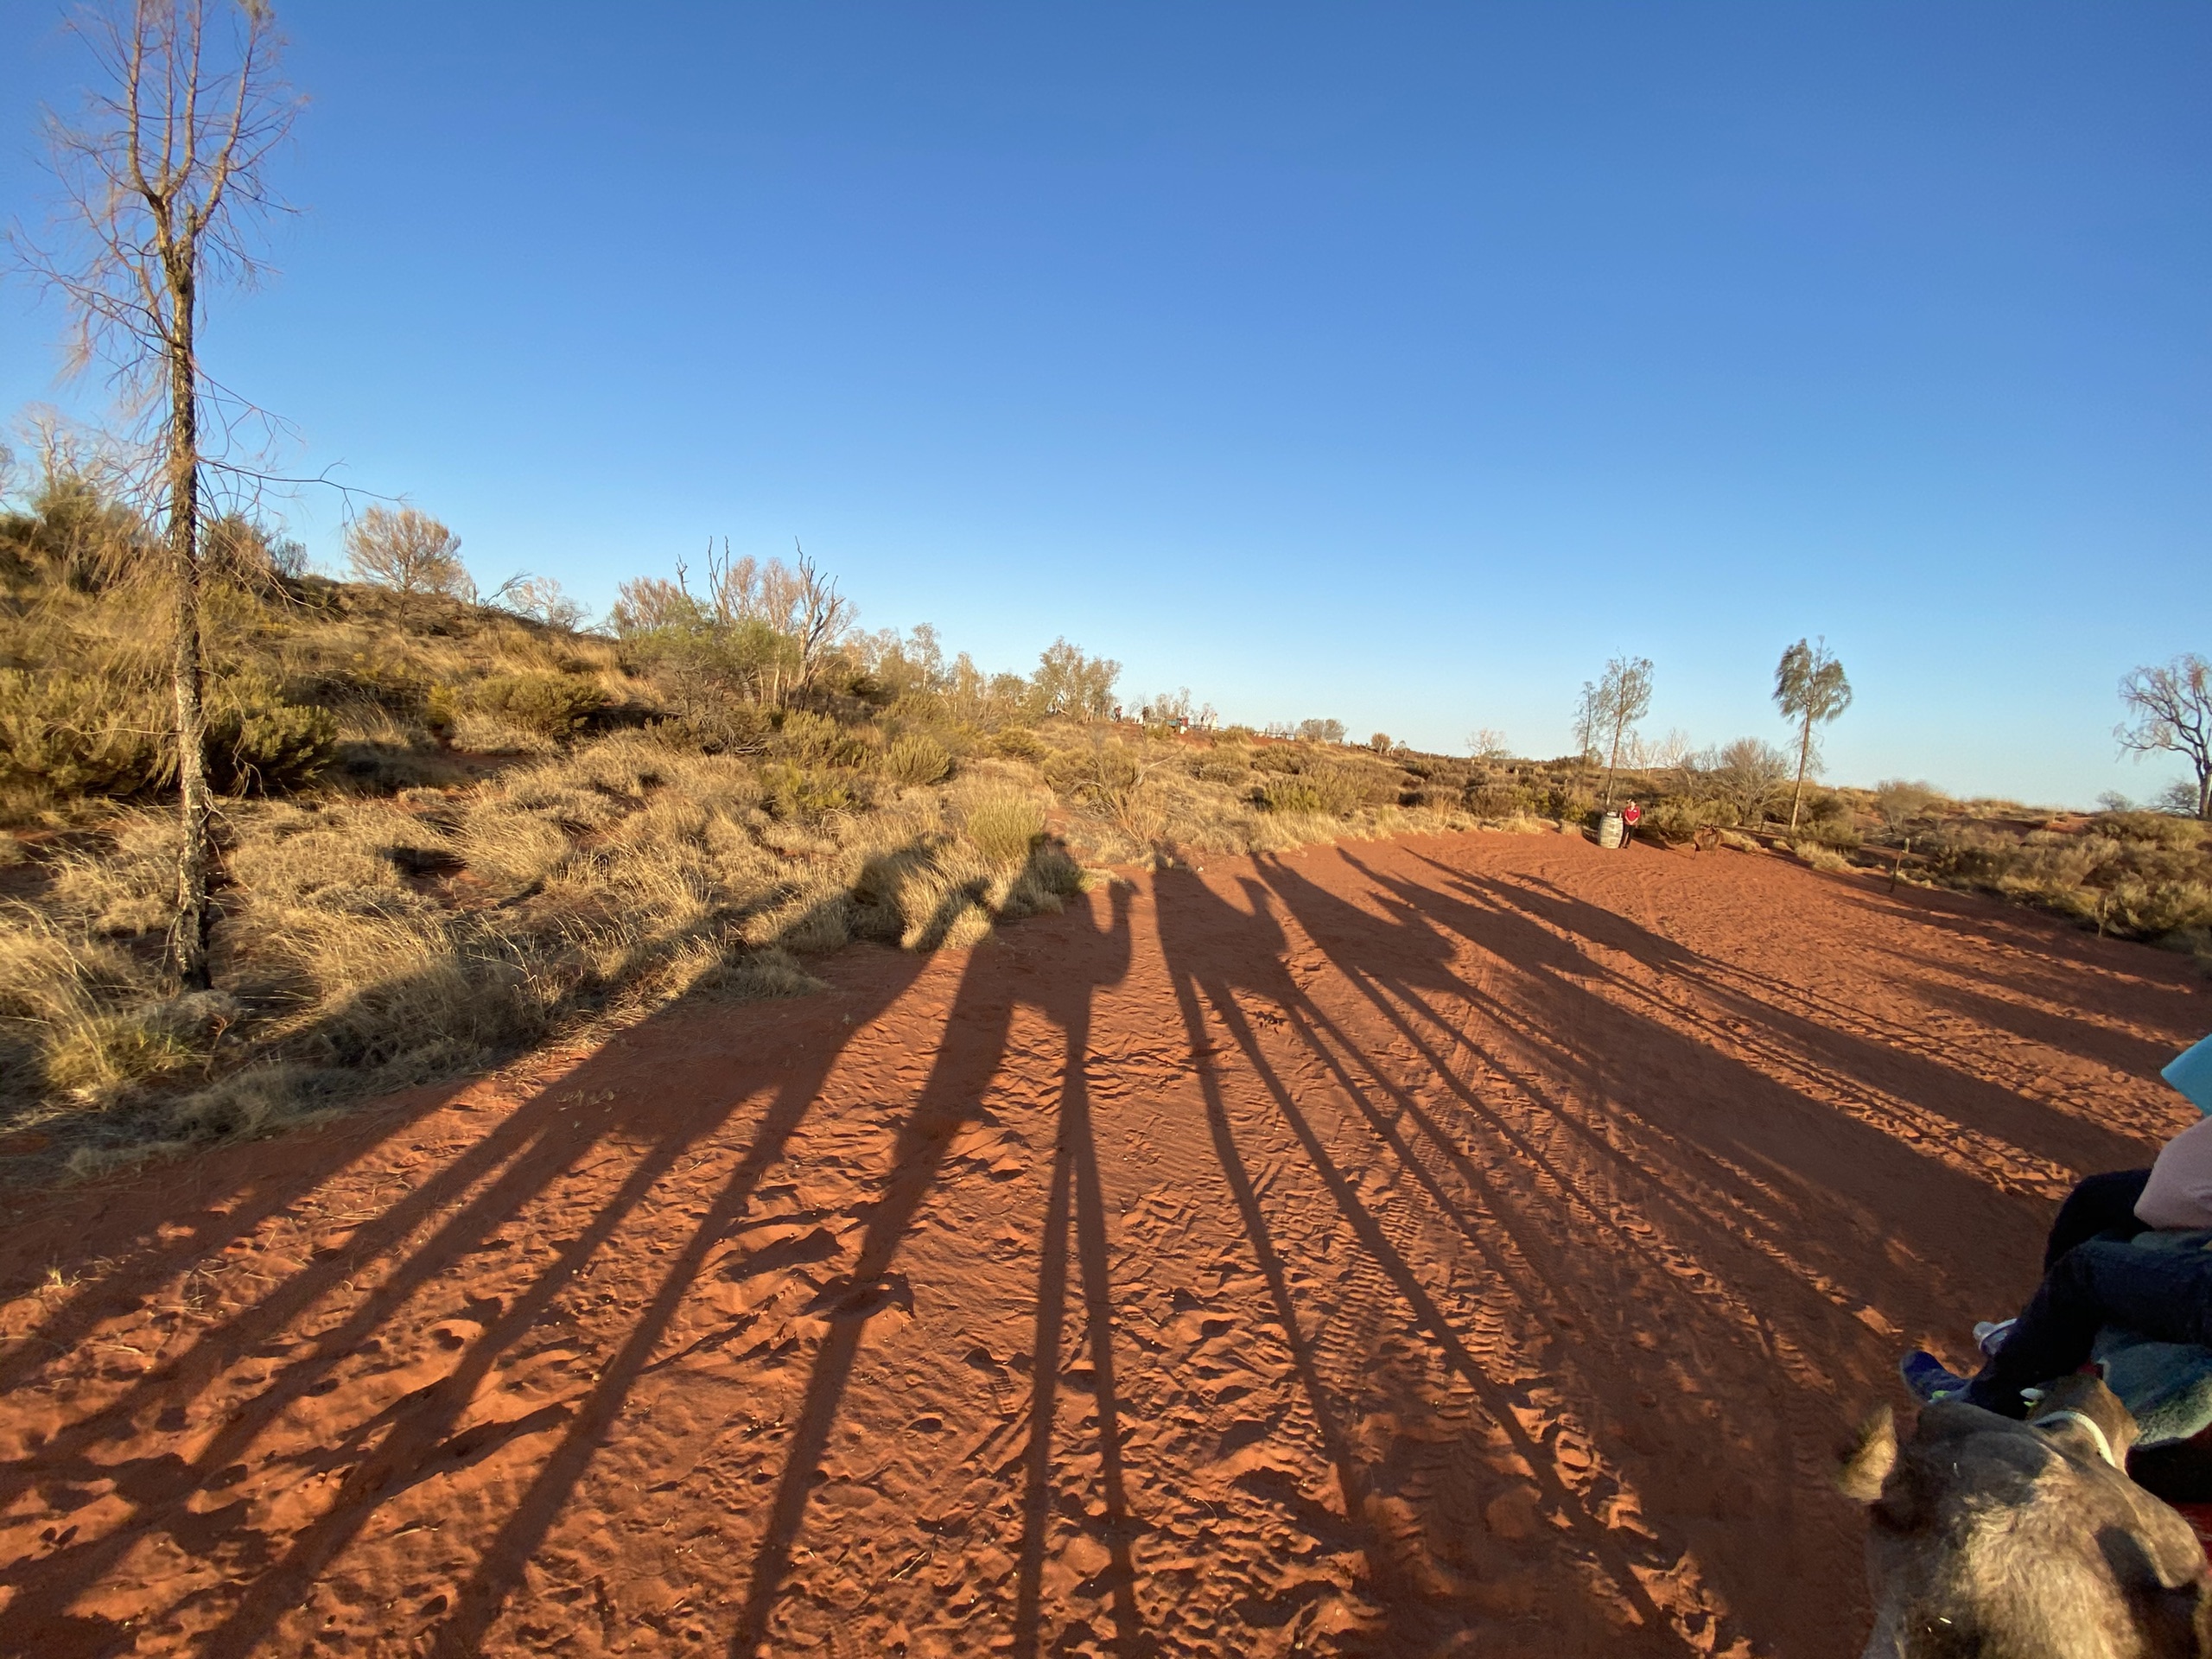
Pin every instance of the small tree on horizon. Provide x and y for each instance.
(1585, 728)
(1484, 744)
(1810, 688)
(1900, 800)
(1747, 772)
(409, 552)
(2170, 711)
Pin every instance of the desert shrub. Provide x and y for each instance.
(1286, 792)
(1322, 788)
(71, 734)
(1837, 834)
(258, 741)
(377, 675)
(1677, 817)
(1018, 743)
(2149, 910)
(1819, 857)
(2152, 829)
(75, 734)
(1569, 802)
(805, 736)
(1900, 800)
(1503, 799)
(803, 794)
(816, 740)
(934, 893)
(917, 760)
(557, 706)
(1437, 797)
(718, 727)
(1003, 827)
(1094, 771)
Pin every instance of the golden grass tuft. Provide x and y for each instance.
(1003, 826)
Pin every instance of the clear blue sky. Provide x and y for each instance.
(1398, 365)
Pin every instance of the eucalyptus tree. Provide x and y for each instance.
(1811, 689)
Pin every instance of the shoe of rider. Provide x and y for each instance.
(1929, 1378)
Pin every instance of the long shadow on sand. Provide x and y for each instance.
(954, 1097)
(1699, 1216)
(479, 1202)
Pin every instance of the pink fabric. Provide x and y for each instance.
(2179, 1192)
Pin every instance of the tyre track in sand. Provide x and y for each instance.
(1469, 1245)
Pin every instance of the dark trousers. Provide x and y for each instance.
(2102, 1206)
(2163, 1294)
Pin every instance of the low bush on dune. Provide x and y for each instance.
(552, 705)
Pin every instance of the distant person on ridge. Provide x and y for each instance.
(2094, 1276)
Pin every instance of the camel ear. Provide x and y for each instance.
(1867, 1465)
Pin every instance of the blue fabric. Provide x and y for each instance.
(2191, 1073)
(2166, 1385)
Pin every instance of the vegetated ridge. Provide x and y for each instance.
(454, 829)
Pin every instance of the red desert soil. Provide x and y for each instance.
(1463, 1246)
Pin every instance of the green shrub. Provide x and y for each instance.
(1018, 743)
(917, 760)
(76, 735)
(805, 736)
(803, 794)
(551, 705)
(1004, 828)
(717, 727)
(1498, 799)
(258, 741)
(2152, 829)
(1678, 818)
(1286, 792)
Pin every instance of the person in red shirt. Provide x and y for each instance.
(1631, 815)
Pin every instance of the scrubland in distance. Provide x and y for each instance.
(451, 832)
(2127, 874)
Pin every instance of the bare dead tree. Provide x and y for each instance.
(162, 191)
(824, 616)
(2170, 711)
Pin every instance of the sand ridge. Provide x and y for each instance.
(1452, 1245)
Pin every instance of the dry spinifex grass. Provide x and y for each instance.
(370, 942)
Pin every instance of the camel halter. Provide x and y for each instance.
(2096, 1434)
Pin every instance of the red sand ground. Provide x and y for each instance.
(1464, 1246)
